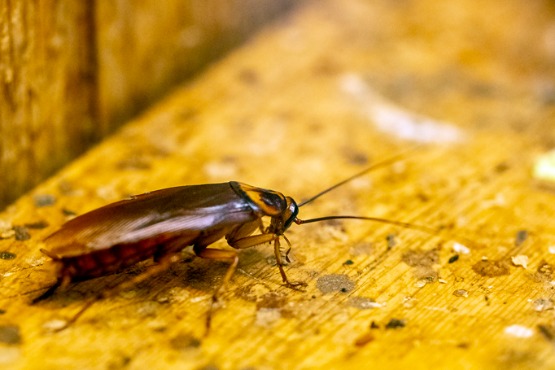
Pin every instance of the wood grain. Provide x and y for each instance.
(48, 90)
(339, 85)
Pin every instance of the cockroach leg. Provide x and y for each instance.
(62, 282)
(163, 264)
(219, 255)
(251, 241)
(48, 293)
(286, 255)
(297, 285)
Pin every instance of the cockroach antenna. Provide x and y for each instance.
(373, 167)
(405, 225)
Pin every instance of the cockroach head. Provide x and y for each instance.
(281, 222)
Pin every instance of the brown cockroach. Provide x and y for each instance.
(160, 224)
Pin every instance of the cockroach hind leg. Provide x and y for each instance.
(48, 293)
(62, 282)
(77, 315)
(165, 262)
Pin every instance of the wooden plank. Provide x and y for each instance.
(304, 105)
(145, 49)
(73, 72)
(48, 94)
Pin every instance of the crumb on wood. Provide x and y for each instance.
(544, 272)
(44, 200)
(519, 331)
(542, 304)
(21, 233)
(460, 248)
(461, 293)
(520, 260)
(364, 303)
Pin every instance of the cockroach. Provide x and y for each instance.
(160, 224)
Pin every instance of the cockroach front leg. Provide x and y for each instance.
(297, 285)
(251, 241)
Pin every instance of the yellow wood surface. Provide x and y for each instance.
(339, 85)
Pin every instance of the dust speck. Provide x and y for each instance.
(548, 331)
(491, 268)
(7, 233)
(454, 258)
(44, 200)
(396, 324)
(364, 303)
(267, 316)
(5, 255)
(335, 283)
(416, 258)
(148, 309)
(21, 233)
(409, 302)
(9, 334)
(364, 339)
(542, 304)
(521, 237)
(423, 263)
(184, 341)
(362, 249)
(391, 242)
(544, 271)
(271, 300)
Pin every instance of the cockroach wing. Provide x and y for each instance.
(166, 212)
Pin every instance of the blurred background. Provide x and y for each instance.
(73, 71)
